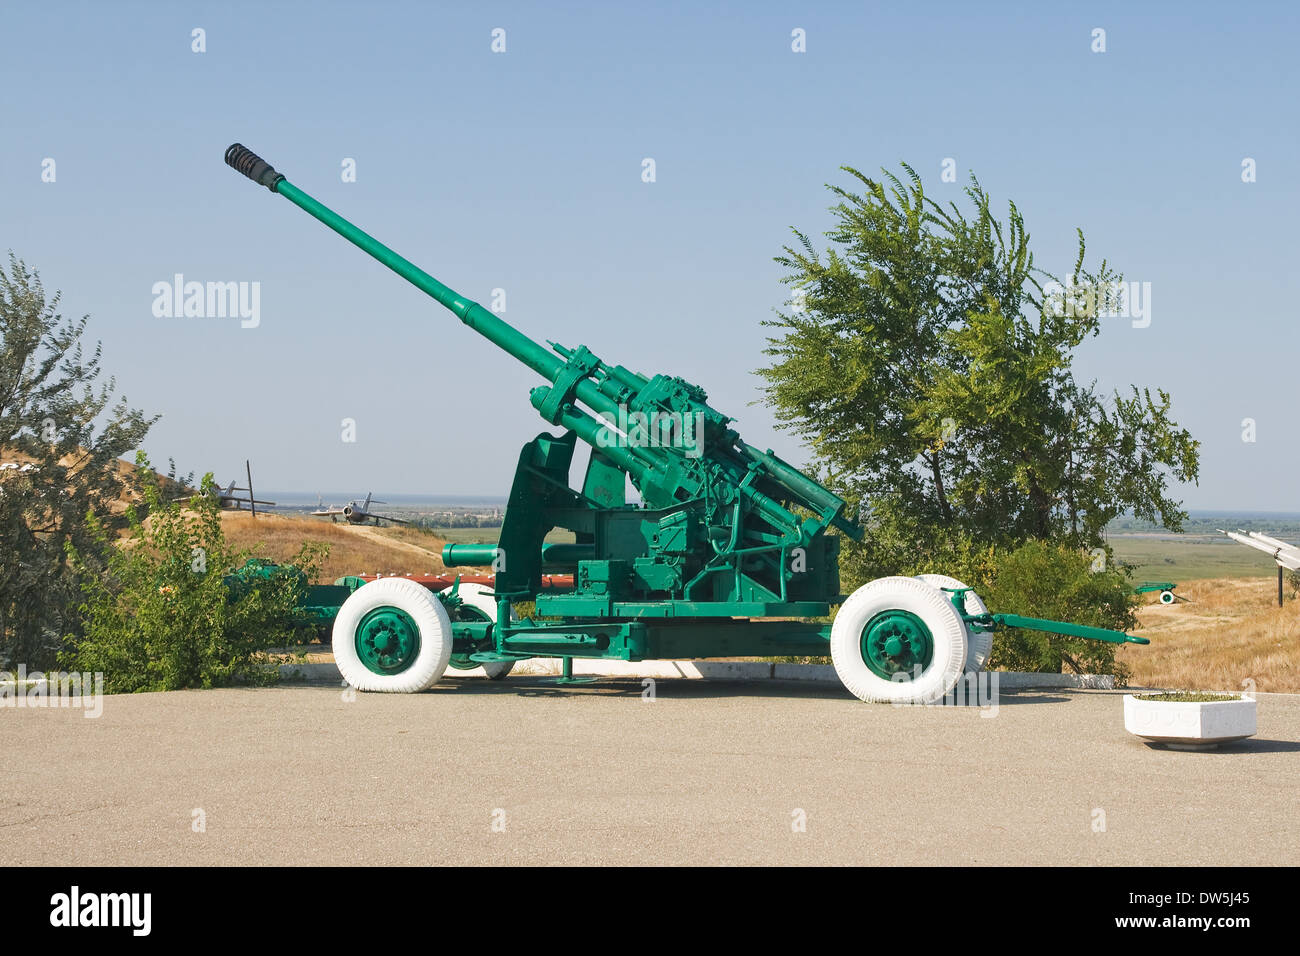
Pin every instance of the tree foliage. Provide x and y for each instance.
(63, 432)
(1039, 579)
(930, 368)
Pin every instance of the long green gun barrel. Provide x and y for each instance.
(490, 326)
(772, 489)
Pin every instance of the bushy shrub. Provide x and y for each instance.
(167, 613)
(1059, 583)
(892, 547)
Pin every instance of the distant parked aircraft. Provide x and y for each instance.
(226, 497)
(355, 512)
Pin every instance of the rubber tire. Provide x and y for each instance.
(979, 643)
(1166, 594)
(947, 630)
(430, 617)
(480, 596)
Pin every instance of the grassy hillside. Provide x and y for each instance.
(353, 550)
(1166, 557)
(1232, 631)
(125, 469)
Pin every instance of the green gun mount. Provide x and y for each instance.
(727, 554)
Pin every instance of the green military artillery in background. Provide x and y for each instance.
(729, 552)
(1166, 589)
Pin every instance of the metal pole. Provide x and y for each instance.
(253, 504)
(1279, 585)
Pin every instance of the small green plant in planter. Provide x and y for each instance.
(1189, 720)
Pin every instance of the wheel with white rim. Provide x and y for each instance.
(477, 603)
(393, 636)
(979, 641)
(1166, 597)
(898, 639)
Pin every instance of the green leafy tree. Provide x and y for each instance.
(929, 367)
(928, 363)
(177, 607)
(61, 437)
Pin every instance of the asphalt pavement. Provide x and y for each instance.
(707, 772)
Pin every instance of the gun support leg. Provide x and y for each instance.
(1066, 629)
(566, 674)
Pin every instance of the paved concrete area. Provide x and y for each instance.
(323, 668)
(710, 772)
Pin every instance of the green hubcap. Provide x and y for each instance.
(388, 640)
(897, 642)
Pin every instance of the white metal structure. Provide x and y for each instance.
(1286, 555)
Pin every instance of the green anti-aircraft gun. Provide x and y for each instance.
(728, 554)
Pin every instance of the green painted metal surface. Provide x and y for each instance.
(461, 612)
(996, 622)
(1147, 586)
(1069, 630)
(387, 640)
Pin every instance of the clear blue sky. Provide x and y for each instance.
(522, 171)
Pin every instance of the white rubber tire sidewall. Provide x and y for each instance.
(429, 616)
(947, 631)
(979, 643)
(480, 596)
(1166, 594)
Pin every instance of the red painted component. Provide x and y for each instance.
(436, 582)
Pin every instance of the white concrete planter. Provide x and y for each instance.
(1189, 725)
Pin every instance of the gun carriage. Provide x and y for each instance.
(731, 551)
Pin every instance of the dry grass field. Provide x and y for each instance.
(357, 549)
(1231, 632)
